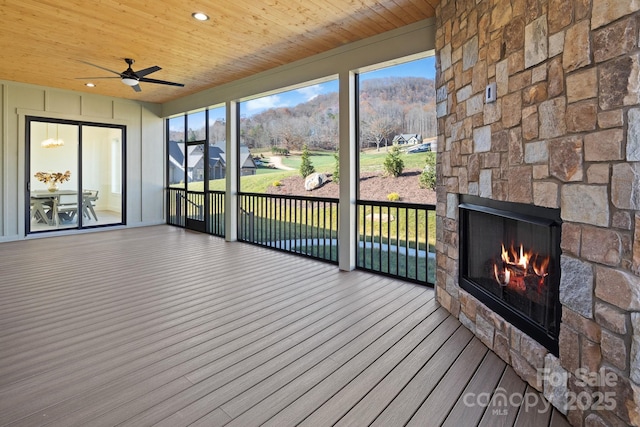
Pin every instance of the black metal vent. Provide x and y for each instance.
(510, 261)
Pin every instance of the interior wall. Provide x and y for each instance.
(144, 148)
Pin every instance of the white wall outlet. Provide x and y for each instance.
(490, 93)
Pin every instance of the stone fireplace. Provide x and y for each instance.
(563, 134)
(510, 261)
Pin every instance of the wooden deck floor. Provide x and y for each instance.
(159, 325)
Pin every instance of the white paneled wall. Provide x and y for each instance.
(144, 154)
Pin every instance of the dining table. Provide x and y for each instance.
(44, 205)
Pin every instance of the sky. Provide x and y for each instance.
(419, 68)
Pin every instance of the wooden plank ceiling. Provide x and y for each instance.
(45, 41)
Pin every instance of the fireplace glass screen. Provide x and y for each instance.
(510, 261)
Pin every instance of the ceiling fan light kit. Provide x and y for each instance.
(129, 81)
(133, 78)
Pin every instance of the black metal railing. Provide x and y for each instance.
(194, 202)
(216, 213)
(176, 208)
(301, 225)
(183, 205)
(397, 239)
(394, 239)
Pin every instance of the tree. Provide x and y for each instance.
(388, 106)
(336, 167)
(377, 130)
(428, 175)
(393, 163)
(306, 168)
(218, 131)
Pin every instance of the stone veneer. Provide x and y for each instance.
(564, 133)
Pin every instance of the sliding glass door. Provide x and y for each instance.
(75, 175)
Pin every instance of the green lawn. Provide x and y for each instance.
(259, 182)
(323, 161)
(403, 228)
(370, 160)
(373, 160)
(391, 262)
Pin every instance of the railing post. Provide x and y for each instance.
(178, 202)
(232, 173)
(348, 150)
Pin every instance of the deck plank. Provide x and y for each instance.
(471, 406)
(234, 373)
(273, 402)
(500, 412)
(117, 357)
(160, 325)
(107, 334)
(534, 410)
(558, 419)
(407, 402)
(271, 396)
(437, 405)
(130, 389)
(353, 361)
(304, 358)
(380, 395)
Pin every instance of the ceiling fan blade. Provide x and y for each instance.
(102, 68)
(161, 82)
(95, 78)
(147, 71)
(136, 88)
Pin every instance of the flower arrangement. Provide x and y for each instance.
(53, 177)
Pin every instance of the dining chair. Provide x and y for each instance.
(67, 207)
(88, 203)
(41, 210)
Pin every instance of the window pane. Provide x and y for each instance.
(54, 176)
(101, 175)
(397, 131)
(217, 148)
(196, 126)
(176, 129)
(195, 167)
(274, 130)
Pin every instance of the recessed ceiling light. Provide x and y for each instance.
(90, 84)
(200, 16)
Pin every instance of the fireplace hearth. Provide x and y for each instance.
(510, 261)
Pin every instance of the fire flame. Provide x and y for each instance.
(521, 269)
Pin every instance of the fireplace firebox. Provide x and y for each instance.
(510, 261)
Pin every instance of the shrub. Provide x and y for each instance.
(428, 175)
(276, 184)
(393, 197)
(336, 168)
(393, 163)
(277, 151)
(306, 168)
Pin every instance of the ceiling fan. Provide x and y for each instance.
(130, 77)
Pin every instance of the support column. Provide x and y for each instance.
(232, 149)
(348, 149)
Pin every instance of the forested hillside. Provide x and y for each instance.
(388, 106)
